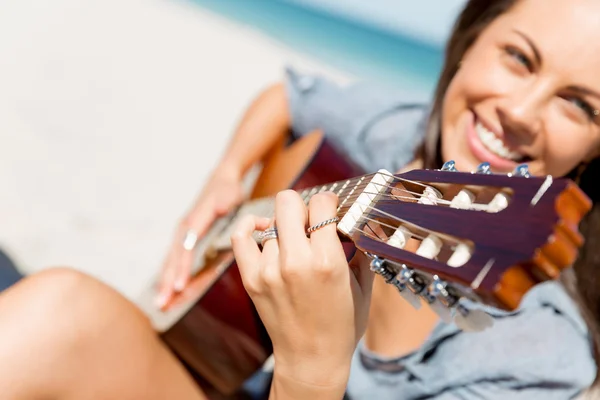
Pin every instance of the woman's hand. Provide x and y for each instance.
(222, 193)
(312, 303)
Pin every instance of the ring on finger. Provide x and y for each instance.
(266, 235)
(190, 240)
(321, 224)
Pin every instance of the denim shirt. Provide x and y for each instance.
(540, 351)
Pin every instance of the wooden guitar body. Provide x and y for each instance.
(212, 326)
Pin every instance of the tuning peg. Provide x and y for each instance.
(409, 286)
(449, 166)
(408, 277)
(483, 168)
(475, 320)
(438, 289)
(378, 266)
(442, 311)
(521, 170)
(407, 294)
(440, 300)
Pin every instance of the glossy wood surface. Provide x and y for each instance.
(522, 243)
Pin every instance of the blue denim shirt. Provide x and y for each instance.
(541, 351)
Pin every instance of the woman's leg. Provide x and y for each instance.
(64, 335)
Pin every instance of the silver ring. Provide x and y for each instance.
(267, 234)
(190, 240)
(322, 224)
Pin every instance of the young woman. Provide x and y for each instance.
(515, 88)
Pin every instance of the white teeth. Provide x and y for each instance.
(495, 144)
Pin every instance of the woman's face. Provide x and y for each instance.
(528, 90)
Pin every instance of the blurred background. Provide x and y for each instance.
(114, 112)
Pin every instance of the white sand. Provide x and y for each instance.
(112, 113)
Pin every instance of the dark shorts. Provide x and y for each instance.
(9, 274)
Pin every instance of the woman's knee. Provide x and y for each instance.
(69, 303)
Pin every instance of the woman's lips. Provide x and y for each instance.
(499, 164)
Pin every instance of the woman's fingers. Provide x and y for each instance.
(323, 207)
(270, 268)
(246, 250)
(290, 214)
(178, 265)
(359, 264)
(200, 221)
(165, 289)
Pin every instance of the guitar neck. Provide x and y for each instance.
(265, 207)
(345, 190)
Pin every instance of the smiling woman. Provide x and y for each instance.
(515, 88)
(525, 91)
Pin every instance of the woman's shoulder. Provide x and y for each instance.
(363, 119)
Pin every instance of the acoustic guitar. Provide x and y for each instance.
(441, 237)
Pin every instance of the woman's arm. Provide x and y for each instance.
(265, 123)
(329, 385)
(313, 304)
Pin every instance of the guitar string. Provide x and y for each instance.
(359, 187)
(439, 201)
(404, 222)
(472, 207)
(348, 183)
(342, 211)
(412, 234)
(375, 233)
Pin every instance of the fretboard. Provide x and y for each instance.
(265, 207)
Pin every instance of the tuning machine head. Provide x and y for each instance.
(521, 170)
(440, 300)
(474, 320)
(449, 166)
(483, 168)
(404, 281)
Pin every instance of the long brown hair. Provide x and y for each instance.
(583, 280)
(475, 17)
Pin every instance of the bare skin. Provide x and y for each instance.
(67, 336)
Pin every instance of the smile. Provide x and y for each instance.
(494, 144)
(489, 146)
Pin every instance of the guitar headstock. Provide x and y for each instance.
(443, 235)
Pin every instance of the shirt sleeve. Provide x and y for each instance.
(534, 354)
(497, 391)
(377, 127)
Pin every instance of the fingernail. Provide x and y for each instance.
(179, 285)
(161, 300)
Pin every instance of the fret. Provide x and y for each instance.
(304, 195)
(332, 188)
(265, 207)
(310, 194)
(340, 192)
(351, 192)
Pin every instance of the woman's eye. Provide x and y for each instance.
(520, 57)
(584, 106)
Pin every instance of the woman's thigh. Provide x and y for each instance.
(70, 336)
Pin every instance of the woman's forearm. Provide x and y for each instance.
(264, 123)
(285, 387)
(395, 328)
